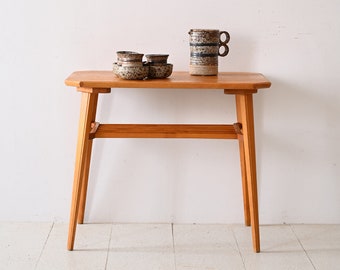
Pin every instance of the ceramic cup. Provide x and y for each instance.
(205, 47)
(157, 59)
(129, 59)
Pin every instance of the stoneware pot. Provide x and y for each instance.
(129, 58)
(157, 59)
(160, 71)
(131, 72)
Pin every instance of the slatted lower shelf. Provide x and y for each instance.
(163, 131)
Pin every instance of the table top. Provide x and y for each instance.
(178, 79)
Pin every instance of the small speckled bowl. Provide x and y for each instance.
(131, 72)
(157, 59)
(160, 71)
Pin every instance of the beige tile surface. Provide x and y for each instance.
(321, 243)
(141, 246)
(206, 247)
(90, 251)
(280, 249)
(21, 244)
(42, 246)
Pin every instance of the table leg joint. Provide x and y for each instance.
(94, 127)
(238, 128)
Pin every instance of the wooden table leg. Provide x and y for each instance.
(88, 152)
(87, 114)
(82, 203)
(243, 167)
(244, 103)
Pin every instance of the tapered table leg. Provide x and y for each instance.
(82, 203)
(245, 112)
(88, 153)
(87, 114)
(243, 167)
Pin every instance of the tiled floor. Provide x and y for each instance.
(42, 246)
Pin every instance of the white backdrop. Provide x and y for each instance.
(294, 43)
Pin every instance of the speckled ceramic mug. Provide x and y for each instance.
(205, 47)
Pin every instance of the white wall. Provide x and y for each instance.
(294, 43)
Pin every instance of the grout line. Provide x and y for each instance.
(238, 248)
(173, 244)
(310, 260)
(108, 247)
(42, 250)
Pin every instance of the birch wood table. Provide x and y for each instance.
(241, 85)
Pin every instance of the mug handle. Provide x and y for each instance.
(224, 43)
(226, 50)
(227, 37)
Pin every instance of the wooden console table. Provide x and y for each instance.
(242, 85)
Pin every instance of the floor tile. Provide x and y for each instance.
(280, 249)
(206, 247)
(142, 247)
(322, 244)
(21, 244)
(90, 250)
(42, 246)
